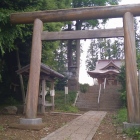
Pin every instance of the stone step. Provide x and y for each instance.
(107, 105)
(109, 99)
(88, 109)
(86, 103)
(108, 109)
(88, 96)
(88, 106)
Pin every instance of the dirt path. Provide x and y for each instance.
(53, 122)
(106, 131)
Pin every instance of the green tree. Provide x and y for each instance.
(92, 56)
(86, 24)
(137, 37)
(61, 57)
(13, 37)
(103, 49)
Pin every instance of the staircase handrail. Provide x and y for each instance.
(99, 94)
(104, 83)
(77, 94)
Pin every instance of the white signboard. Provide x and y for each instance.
(66, 90)
(52, 92)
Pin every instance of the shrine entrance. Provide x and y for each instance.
(125, 11)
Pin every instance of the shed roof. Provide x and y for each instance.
(45, 72)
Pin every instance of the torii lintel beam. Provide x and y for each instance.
(83, 34)
(99, 12)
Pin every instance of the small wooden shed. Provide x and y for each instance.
(46, 74)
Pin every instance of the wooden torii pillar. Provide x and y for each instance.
(34, 75)
(131, 69)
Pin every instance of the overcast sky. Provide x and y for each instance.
(112, 23)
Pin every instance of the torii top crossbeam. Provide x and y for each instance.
(96, 12)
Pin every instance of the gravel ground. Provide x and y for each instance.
(106, 131)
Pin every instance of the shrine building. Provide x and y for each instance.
(107, 71)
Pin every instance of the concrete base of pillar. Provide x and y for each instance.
(30, 121)
(130, 125)
(30, 124)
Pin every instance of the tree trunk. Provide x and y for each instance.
(69, 49)
(78, 27)
(21, 79)
(77, 59)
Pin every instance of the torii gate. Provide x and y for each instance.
(125, 11)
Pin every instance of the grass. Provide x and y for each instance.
(64, 104)
(122, 117)
(1, 128)
(133, 133)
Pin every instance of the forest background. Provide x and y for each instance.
(15, 42)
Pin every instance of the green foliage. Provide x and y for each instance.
(103, 49)
(122, 80)
(60, 102)
(90, 3)
(11, 101)
(122, 77)
(123, 98)
(92, 56)
(19, 37)
(121, 116)
(8, 32)
(84, 88)
(61, 57)
(138, 60)
(60, 84)
(133, 132)
(1, 128)
(67, 108)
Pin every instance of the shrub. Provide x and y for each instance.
(133, 132)
(11, 101)
(84, 88)
(121, 116)
(123, 98)
(65, 105)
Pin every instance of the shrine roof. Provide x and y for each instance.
(45, 71)
(102, 71)
(101, 66)
(103, 63)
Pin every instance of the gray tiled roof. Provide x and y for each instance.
(101, 64)
(44, 69)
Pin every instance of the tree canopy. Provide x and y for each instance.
(19, 37)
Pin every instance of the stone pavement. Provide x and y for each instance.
(82, 128)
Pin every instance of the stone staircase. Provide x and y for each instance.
(109, 99)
